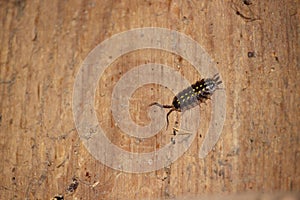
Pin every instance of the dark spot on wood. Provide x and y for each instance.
(247, 2)
(251, 54)
(185, 20)
(180, 59)
(58, 197)
(73, 186)
(243, 16)
(20, 5)
(221, 173)
(173, 140)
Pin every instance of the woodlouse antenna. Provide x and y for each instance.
(161, 105)
(173, 109)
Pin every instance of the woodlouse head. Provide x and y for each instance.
(211, 84)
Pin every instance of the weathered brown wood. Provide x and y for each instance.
(43, 44)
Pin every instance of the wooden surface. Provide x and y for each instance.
(43, 44)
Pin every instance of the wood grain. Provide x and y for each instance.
(43, 44)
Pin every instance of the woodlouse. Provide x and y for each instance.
(193, 95)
